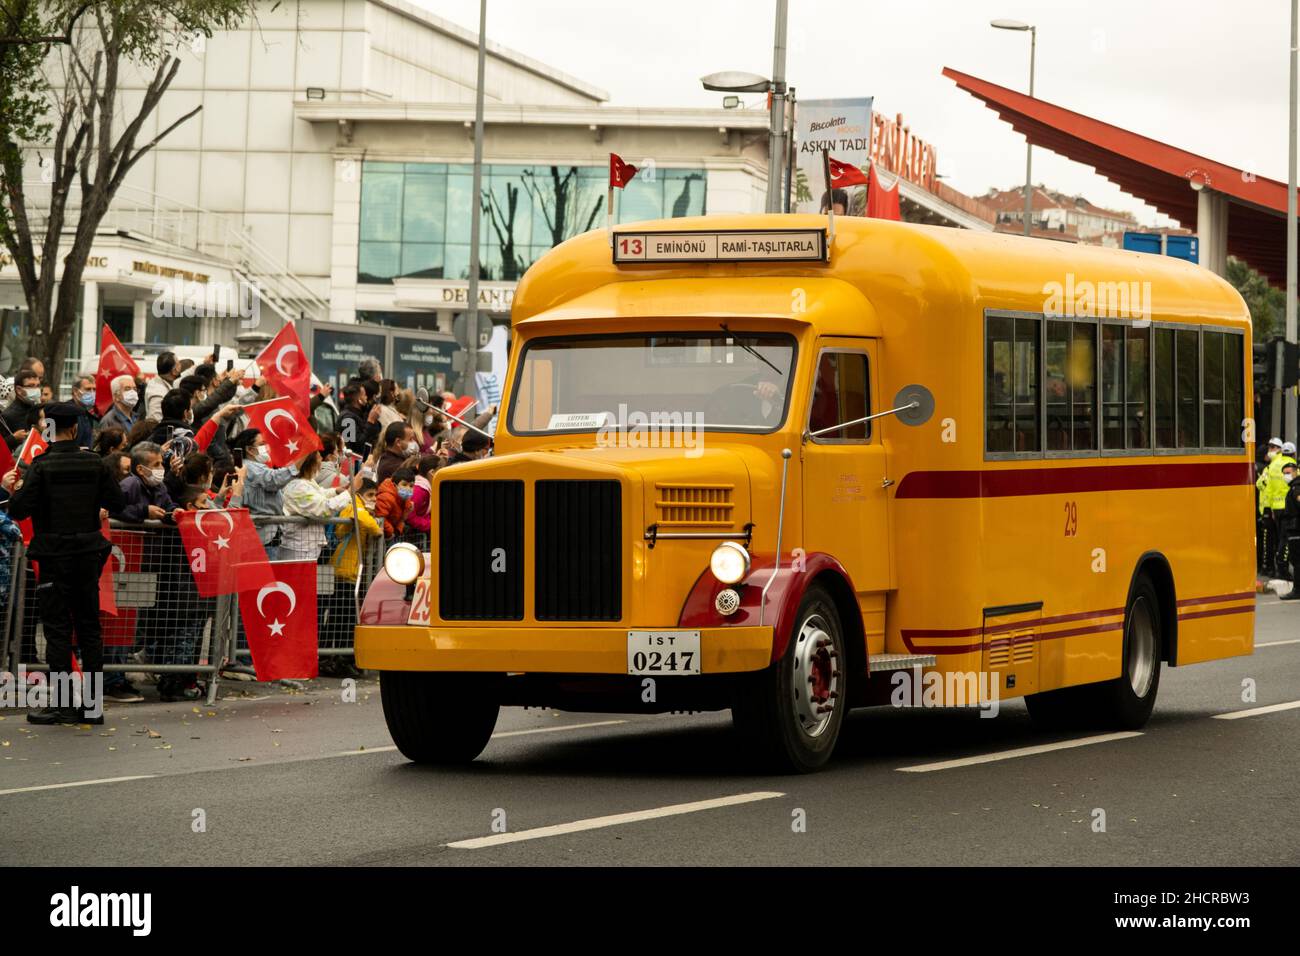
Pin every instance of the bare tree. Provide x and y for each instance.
(87, 47)
(558, 200)
(503, 226)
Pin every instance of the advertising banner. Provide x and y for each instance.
(842, 126)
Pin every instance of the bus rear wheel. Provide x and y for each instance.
(789, 715)
(440, 718)
(1124, 703)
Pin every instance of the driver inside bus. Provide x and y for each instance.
(754, 401)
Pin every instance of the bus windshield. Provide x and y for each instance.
(716, 380)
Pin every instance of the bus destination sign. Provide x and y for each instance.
(766, 245)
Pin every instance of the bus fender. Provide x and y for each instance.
(783, 598)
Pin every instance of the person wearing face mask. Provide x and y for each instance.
(176, 420)
(1278, 490)
(393, 501)
(342, 603)
(83, 396)
(62, 493)
(158, 386)
(399, 445)
(125, 398)
(263, 492)
(24, 412)
(144, 493)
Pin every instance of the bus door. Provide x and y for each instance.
(845, 480)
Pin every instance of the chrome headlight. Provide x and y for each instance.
(729, 562)
(404, 563)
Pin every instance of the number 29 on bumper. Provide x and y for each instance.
(663, 652)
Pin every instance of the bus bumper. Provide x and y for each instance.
(559, 650)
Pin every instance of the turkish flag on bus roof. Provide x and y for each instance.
(844, 175)
(620, 173)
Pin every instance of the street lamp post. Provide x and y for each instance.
(732, 81)
(1029, 149)
(470, 377)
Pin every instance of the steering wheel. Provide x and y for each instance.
(727, 406)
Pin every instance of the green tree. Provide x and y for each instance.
(60, 100)
(1267, 305)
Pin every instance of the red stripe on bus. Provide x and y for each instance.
(1041, 480)
(910, 636)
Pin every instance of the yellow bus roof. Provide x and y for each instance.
(898, 267)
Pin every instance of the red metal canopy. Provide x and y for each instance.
(1154, 172)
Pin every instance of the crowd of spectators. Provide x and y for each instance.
(179, 441)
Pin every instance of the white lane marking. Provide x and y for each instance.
(506, 733)
(1255, 711)
(1278, 643)
(77, 783)
(613, 820)
(548, 730)
(1020, 752)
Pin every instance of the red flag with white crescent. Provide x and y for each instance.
(620, 173)
(107, 594)
(844, 175)
(223, 551)
(280, 622)
(284, 364)
(113, 361)
(284, 426)
(33, 446)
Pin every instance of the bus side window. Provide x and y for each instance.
(1011, 394)
(840, 394)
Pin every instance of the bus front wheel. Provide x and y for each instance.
(1126, 702)
(789, 715)
(440, 718)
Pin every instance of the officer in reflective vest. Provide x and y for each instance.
(1278, 488)
(1268, 533)
(63, 492)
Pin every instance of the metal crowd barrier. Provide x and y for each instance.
(163, 626)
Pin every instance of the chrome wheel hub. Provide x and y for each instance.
(1141, 642)
(816, 682)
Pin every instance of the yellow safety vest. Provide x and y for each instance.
(1276, 487)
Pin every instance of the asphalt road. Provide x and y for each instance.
(305, 778)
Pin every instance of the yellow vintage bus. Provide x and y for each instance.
(746, 463)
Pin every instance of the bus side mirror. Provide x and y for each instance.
(915, 404)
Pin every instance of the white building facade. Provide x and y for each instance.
(330, 168)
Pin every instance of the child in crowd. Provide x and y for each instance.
(393, 501)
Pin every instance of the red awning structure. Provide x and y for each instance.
(1155, 172)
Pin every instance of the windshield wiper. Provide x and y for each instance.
(750, 349)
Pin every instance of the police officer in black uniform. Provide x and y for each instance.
(63, 492)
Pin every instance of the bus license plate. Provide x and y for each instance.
(663, 652)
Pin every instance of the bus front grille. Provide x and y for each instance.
(578, 567)
(481, 551)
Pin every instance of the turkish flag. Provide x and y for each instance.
(113, 361)
(280, 622)
(107, 596)
(284, 364)
(620, 173)
(123, 570)
(284, 426)
(460, 407)
(33, 446)
(223, 550)
(882, 203)
(844, 175)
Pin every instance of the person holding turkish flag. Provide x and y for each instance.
(284, 365)
(284, 428)
(224, 552)
(280, 622)
(34, 445)
(113, 361)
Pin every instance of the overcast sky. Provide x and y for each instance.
(1209, 76)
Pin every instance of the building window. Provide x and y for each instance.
(841, 394)
(415, 216)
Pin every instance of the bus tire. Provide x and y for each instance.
(789, 715)
(440, 718)
(1126, 702)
